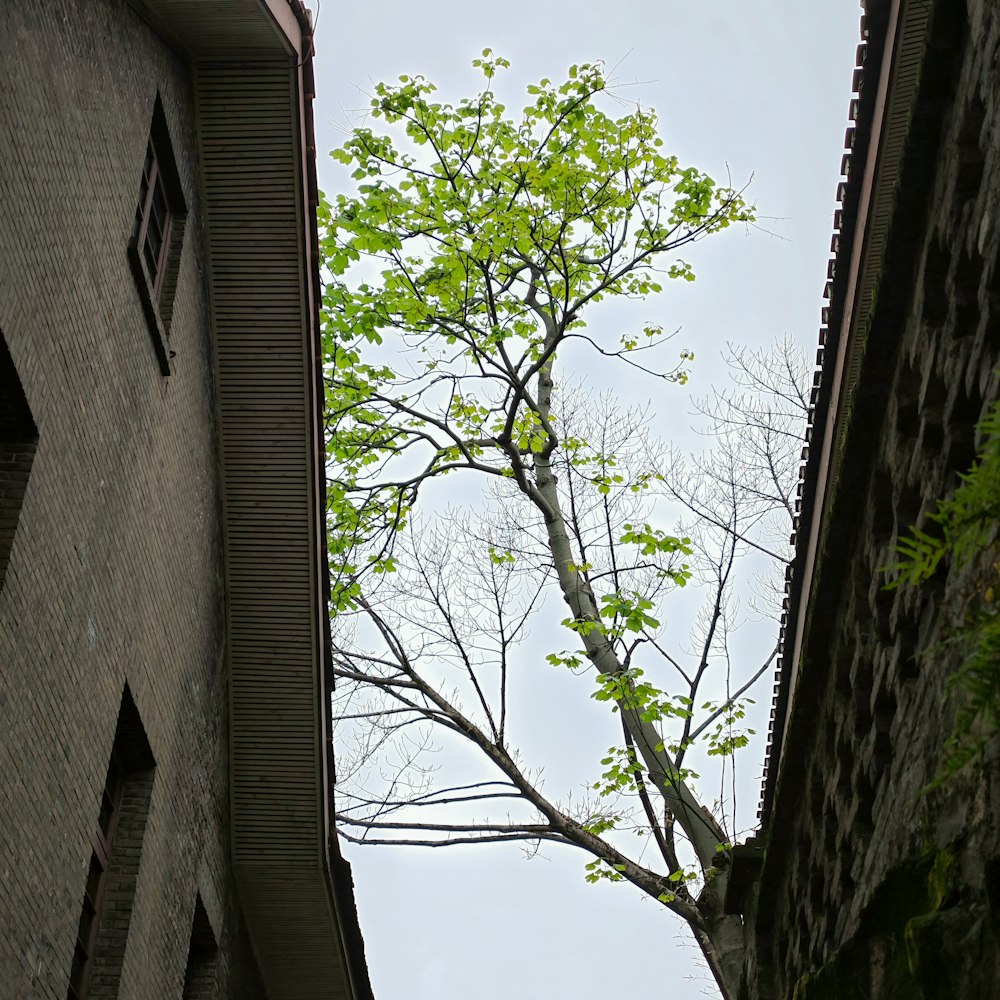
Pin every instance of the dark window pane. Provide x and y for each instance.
(152, 250)
(113, 782)
(155, 229)
(159, 205)
(107, 812)
(86, 927)
(76, 973)
(141, 207)
(93, 878)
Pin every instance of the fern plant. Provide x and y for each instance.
(959, 532)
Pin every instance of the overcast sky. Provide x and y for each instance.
(759, 88)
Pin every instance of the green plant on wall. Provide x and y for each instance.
(959, 533)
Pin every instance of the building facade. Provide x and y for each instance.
(164, 722)
(868, 880)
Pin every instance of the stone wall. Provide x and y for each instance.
(874, 886)
(115, 573)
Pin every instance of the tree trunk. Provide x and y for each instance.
(723, 945)
(697, 822)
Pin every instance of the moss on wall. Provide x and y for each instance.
(917, 938)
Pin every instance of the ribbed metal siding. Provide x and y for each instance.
(249, 151)
(218, 26)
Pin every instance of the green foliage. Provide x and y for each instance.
(629, 611)
(654, 542)
(679, 877)
(599, 869)
(723, 740)
(598, 825)
(474, 249)
(627, 689)
(978, 715)
(963, 525)
(566, 659)
(484, 237)
(961, 530)
(620, 774)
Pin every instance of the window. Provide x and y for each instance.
(18, 440)
(151, 230)
(154, 249)
(201, 973)
(97, 881)
(116, 847)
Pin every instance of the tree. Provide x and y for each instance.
(461, 280)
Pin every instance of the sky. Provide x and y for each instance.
(758, 88)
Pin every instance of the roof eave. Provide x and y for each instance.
(278, 33)
(882, 205)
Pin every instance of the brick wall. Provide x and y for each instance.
(115, 570)
(873, 887)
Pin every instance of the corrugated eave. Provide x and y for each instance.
(236, 30)
(251, 62)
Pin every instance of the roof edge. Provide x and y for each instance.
(882, 256)
(846, 246)
(340, 881)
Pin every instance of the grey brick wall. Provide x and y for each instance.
(115, 571)
(874, 888)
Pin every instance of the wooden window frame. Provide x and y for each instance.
(160, 206)
(155, 260)
(92, 908)
(115, 839)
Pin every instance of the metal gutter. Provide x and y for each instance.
(338, 870)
